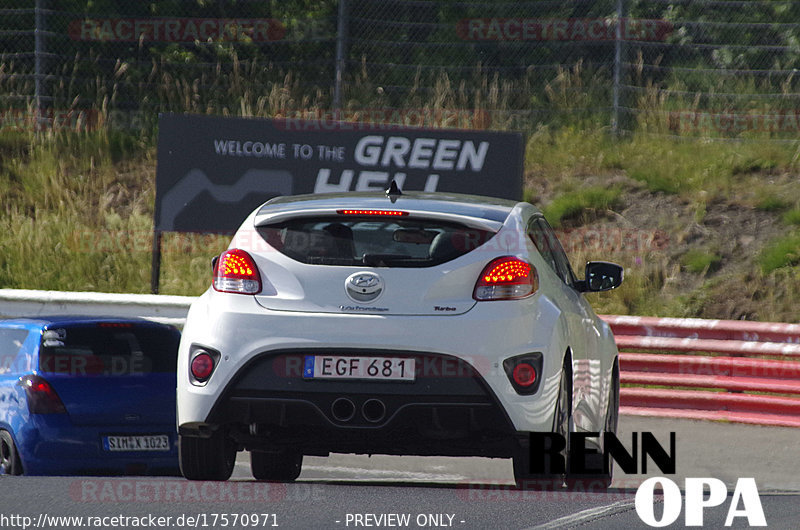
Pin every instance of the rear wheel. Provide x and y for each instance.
(10, 464)
(602, 480)
(207, 458)
(283, 466)
(612, 420)
(562, 425)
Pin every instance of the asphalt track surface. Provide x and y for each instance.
(348, 491)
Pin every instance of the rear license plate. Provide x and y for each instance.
(156, 442)
(371, 368)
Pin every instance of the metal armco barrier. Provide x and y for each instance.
(746, 372)
(30, 303)
(724, 370)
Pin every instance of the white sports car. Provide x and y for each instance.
(403, 324)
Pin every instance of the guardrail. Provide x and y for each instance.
(746, 372)
(724, 370)
(161, 308)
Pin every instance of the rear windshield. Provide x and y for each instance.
(373, 241)
(109, 349)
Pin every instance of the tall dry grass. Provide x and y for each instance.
(78, 198)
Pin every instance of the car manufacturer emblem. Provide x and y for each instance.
(363, 286)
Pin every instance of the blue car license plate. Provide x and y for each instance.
(156, 442)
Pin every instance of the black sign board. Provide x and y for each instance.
(213, 171)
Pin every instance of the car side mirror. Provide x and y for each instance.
(601, 276)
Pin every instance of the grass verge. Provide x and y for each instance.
(77, 215)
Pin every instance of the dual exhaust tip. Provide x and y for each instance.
(343, 410)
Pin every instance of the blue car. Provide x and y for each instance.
(87, 395)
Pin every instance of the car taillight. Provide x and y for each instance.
(202, 366)
(42, 398)
(506, 278)
(236, 272)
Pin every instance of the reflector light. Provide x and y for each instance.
(375, 213)
(506, 278)
(236, 272)
(114, 325)
(42, 398)
(202, 366)
(524, 374)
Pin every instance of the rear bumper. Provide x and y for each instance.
(51, 445)
(448, 410)
(241, 330)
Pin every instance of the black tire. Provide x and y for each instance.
(562, 424)
(206, 458)
(284, 466)
(602, 481)
(10, 464)
(612, 418)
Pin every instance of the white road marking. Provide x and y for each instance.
(372, 474)
(587, 515)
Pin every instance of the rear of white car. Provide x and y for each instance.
(419, 324)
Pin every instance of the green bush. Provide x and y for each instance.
(699, 261)
(579, 203)
(792, 217)
(781, 252)
(768, 202)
